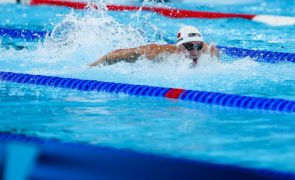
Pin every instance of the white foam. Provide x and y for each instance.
(75, 42)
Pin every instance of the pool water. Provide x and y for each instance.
(174, 128)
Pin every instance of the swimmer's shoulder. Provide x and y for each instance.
(165, 46)
(170, 48)
(157, 49)
(206, 48)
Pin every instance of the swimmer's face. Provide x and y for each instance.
(193, 49)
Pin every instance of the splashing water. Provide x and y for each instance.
(183, 129)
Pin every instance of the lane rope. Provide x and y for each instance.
(258, 55)
(221, 99)
(29, 35)
(174, 13)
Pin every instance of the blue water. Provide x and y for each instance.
(162, 126)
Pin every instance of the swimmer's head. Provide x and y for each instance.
(190, 40)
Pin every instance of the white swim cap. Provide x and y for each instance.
(187, 34)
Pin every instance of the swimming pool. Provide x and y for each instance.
(191, 130)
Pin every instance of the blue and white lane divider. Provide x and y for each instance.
(61, 160)
(258, 55)
(229, 100)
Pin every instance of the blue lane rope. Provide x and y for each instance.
(229, 100)
(23, 34)
(259, 55)
(57, 159)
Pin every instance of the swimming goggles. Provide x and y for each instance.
(191, 46)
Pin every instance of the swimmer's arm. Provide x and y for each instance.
(129, 55)
(132, 54)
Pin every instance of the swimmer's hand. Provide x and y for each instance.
(101, 61)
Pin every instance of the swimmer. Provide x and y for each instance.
(189, 42)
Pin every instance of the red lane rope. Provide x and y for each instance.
(75, 5)
(172, 13)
